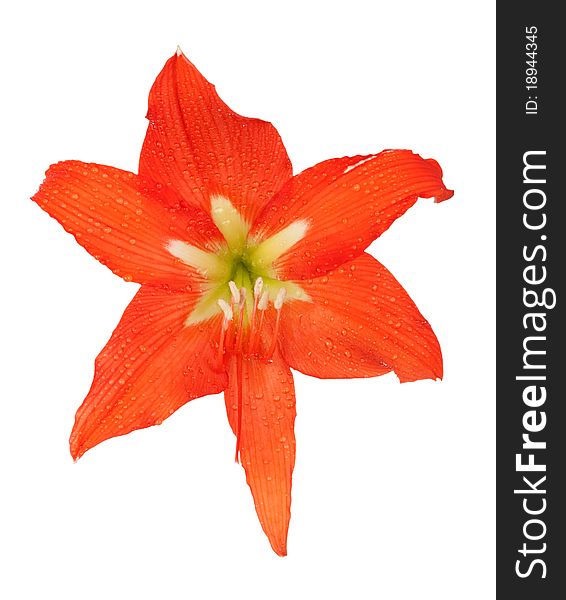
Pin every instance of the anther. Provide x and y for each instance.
(263, 301)
(258, 287)
(235, 292)
(228, 312)
(280, 298)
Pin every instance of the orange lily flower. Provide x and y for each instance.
(245, 271)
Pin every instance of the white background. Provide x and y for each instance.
(393, 492)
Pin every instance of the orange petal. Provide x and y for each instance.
(347, 203)
(360, 323)
(200, 147)
(151, 366)
(118, 218)
(267, 439)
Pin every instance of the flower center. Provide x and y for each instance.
(242, 263)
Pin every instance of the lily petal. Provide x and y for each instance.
(199, 146)
(151, 366)
(360, 323)
(266, 440)
(347, 203)
(117, 217)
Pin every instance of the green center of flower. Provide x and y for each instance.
(242, 264)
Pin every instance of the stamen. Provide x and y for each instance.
(239, 341)
(228, 316)
(227, 310)
(262, 307)
(234, 302)
(258, 287)
(279, 299)
(263, 301)
(240, 332)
